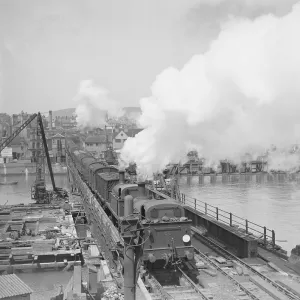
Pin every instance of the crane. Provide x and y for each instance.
(38, 189)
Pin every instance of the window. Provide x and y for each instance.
(117, 140)
(154, 213)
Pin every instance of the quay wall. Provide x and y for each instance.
(102, 228)
(243, 244)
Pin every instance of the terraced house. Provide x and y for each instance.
(96, 144)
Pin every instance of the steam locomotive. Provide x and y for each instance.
(168, 230)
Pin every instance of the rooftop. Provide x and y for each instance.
(96, 139)
(12, 285)
(132, 132)
(57, 135)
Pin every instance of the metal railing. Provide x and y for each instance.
(264, 234)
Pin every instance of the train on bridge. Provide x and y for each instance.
(167, 237)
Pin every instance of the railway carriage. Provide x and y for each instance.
(79, 155)
(94, 167)
(104, 184)
(86, 162)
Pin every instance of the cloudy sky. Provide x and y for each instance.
(48, 47)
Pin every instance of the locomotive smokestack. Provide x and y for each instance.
(142, 188)
(122, 176)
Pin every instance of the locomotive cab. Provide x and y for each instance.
(169, 232)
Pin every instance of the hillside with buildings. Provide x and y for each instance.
(61, 124)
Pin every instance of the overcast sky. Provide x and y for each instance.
(48, 47)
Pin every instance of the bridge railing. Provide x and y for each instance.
(264, 234)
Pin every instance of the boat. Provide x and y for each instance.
(9, 183)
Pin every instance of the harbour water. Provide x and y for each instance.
(45, 284)
(21, 192)
(271, 201)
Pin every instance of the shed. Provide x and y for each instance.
(13, 288)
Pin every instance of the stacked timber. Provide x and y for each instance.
(43, 246)
(21, 255)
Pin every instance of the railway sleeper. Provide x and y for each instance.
(256, 291)
(268, 288)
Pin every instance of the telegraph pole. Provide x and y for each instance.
(129, 224)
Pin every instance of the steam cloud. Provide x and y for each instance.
(242, 95)
(93, 102)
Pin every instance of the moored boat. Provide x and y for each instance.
(9, 183)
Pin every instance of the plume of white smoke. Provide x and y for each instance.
(282, 161)
(242, 94)
(257, 4)
(93, 103)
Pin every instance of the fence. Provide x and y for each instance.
(267, 236)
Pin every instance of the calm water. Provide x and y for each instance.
(44, 284)
(20, 193)
(271, 201)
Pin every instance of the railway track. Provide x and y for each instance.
(247, 287)
(188, 291)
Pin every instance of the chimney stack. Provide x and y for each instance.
(121, 177)
(50, 120)
(142, 188)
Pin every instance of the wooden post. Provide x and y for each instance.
(273, 239)
(205, 208)
(246, 226)
(195, 200)
(265, 236)
(217, 213)
(230, 219)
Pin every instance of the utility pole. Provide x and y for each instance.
(129, 226)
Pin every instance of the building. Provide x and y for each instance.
(13, 288)
(65, 122)
(96, 144)
(19, 147)
(120, 135)
(5, 125)
(57, 147)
